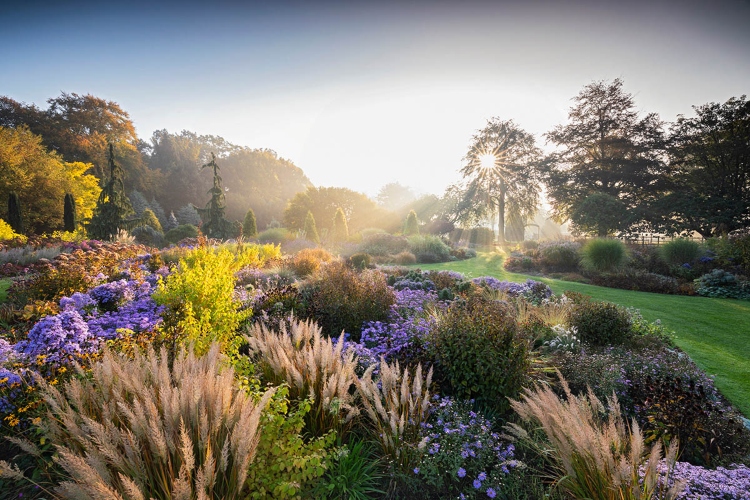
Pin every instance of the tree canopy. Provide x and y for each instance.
(605, 148)
(500, 175)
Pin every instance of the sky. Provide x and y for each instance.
(360, 94)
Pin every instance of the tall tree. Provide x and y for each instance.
(14, 213)
(69, 213)
(113, 207)
(710, 170)
(214, 224)
(605, 148)
(249, 225)
(311, 229)
(501, 173)
(340, 229)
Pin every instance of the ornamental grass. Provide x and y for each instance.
(138, 429)
(311, 365)
(595, 453)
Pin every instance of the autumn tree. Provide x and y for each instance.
(709, 156)
(605, 148)
(41, 179)
(113, 207)
(500, 174)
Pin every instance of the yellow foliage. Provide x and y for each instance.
(7, 233)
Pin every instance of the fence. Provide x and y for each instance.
(656, 239)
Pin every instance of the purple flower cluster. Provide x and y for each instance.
(722, 483)
(534, 291)
(402, 337)
(110, 295)
(58, 338)
(464, 457)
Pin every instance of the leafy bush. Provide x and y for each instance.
(560, 255)
(286, 465)
(275, 235)
(199, 299)
(637, 279)
(341, 299)
(360, 261)
(429, 249)
(601, 323)
(680, 251)
(7, 233)
(464, 458)
(719, 283)
(603, 254)
(308, 260)
(147, 235)
(140, 428)
(476, 352)
(181, 232)
(382, 244)
(405, 258)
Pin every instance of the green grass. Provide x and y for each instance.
(714, 332)
(4, 285)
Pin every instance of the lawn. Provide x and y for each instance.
(714, 332)
(4, 285)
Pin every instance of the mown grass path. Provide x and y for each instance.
(714, 332)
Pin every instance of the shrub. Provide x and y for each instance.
(275, 235)
(405, 258)
(680, 251)
(429, 249)
(594, 457)
(637, 279)
(311, 365)
(341, 299)
(719, 283)
(140, 429)
(560, 255)
(601, 323)
(603, 254)
(147, 235)
(7, 232)
(383, 244)
(308, 260)
(360, 261)
(286, 465)
(477, 352)
(199, 299)
(181, 232)
(249, 225)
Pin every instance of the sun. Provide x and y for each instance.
(487, 161)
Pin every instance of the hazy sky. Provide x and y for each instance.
(359, 94)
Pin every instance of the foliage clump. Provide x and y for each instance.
(680, 251)
(601, 323)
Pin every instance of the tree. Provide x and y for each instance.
(605, 148)
(600, 214)
(500, 173)
(411, 226)
(41, 179)
(340, 229)
(710, 170)
(148, 218)
(138, 202)
(188, 214)
(113, 207)
(311, 229)
(359, 210)
(14, 213)
(394, 196)
(249, 225)
(214, 224)
(171, 222)
(69, 213)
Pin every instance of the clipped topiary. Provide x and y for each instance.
(249, 225)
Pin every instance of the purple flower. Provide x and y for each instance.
(477, 484)
(491, 493)
(461, 472)
(482, 476)
(416, 470)
(59, 338)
